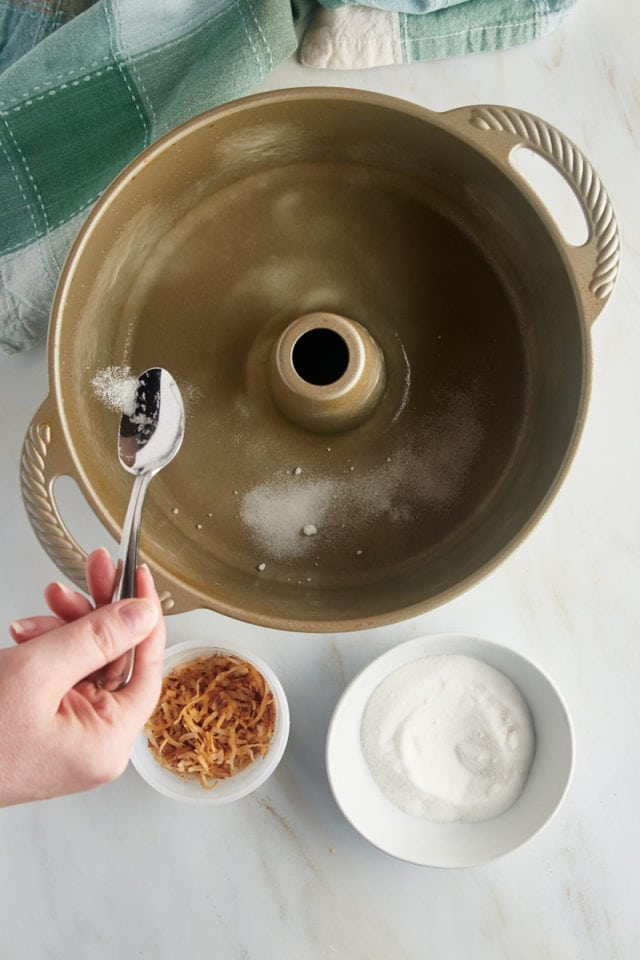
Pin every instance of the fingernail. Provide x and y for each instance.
(62, 586)
(138, 616)
(23, 628)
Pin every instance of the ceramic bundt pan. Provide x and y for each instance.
(382, 338)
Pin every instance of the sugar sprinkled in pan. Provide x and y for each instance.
(278, 513)
(115, 386)
(424, 476)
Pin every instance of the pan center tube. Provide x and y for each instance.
(326, 373)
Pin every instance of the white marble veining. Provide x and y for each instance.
(123, 872)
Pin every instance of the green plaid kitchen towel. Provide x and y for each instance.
(85, 86)
(375, 33)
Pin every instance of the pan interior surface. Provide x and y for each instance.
(204, 255)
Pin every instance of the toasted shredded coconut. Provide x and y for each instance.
(215, 716)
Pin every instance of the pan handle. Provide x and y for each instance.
(40, 466)
(597, 261)
(44, 459)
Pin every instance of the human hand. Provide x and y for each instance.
(62, 733)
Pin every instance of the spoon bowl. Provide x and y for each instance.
(151, 432)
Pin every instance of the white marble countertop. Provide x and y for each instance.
(123, 872)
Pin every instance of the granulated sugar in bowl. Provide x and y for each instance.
(448, 738)
(449, 751)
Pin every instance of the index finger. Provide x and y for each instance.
(100, 576)
(70, 605)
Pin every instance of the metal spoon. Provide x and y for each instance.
(148, 440)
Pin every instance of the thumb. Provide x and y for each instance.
(75, 650)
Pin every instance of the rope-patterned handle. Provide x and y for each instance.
(41, 508)
(36, 484)
(567, 158)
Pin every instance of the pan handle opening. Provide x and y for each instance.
(555, 193)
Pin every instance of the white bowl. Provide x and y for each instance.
(452, 844)
(239, 785)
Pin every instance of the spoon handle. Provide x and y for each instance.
(117, 674)
(125, 582)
